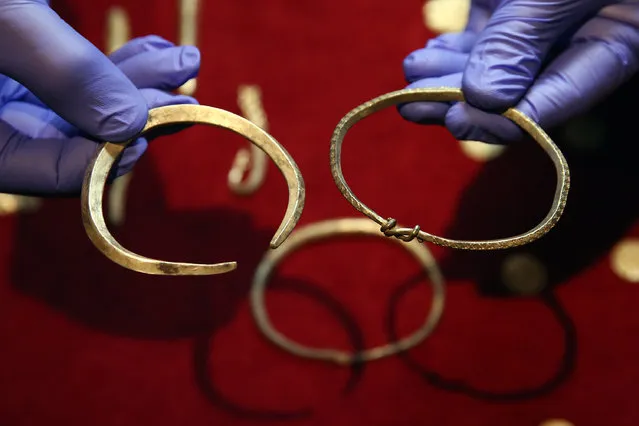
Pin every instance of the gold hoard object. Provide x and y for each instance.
(101, 164)
(389, 226)
(335, 228)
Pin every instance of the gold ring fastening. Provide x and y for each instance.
(389, 226)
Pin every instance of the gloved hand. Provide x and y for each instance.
(552, 59)
(59, 95)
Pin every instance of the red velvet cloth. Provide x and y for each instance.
(86, 342)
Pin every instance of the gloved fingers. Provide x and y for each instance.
(165, 69)
(478, 16)
(156, 98)
(42, 167)
(444, 54)
(513, 46)
(429, 112)
(480, 13)
(149, 62)
(433, 62)
(455, 42)
(66, 72)
(55, 166)
(35, 121)
(11, 90)
(138, 46)
(467, 123)
(441, 63)
(600, 59)
(52, 167)
(32, 99)
(128, 159)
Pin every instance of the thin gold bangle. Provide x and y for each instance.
(389, 226)
(330, 229)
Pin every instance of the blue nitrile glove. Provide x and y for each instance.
(59, 95)
(552, 59)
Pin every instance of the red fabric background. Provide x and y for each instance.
(85, 342)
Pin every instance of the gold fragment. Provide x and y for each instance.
(189, 12)
(251, 161)
(446, 16)
(118, 29)
(11, 204)
(625, 260)
(118, 34)
(481, 151)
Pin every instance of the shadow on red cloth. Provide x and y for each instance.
(434, 378)
(600, 202)
(601, 208)
(203, 349)
(117, 301)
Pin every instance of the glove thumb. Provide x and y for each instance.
(68, 73)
